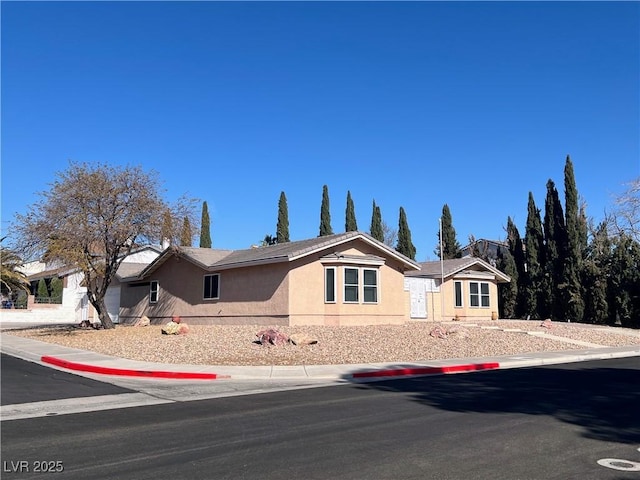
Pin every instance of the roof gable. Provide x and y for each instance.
(454, 266)
(213, 260)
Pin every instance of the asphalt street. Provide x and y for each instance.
(26, 382)
(549, 422)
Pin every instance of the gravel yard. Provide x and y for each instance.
(235, 345)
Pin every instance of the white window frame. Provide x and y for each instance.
(455, 294)
(360, 286)
(335, 284)
(479, 295)
(154, 293)
(350, 285)
(204, 283)
(376, 287)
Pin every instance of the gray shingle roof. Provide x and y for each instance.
(130, 270)
(212, 259)
(453, 266)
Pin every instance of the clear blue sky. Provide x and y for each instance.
(412, 104)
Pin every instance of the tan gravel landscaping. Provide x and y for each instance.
(235, 345)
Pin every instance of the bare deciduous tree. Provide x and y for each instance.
(92, 217)
(626, 211)
(389, 234)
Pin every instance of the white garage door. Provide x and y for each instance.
(112, 300)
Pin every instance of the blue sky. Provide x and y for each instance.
(413, 104)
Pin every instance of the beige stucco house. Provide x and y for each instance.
(461, 288)
(344, 279)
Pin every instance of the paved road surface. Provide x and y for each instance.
(551, 422)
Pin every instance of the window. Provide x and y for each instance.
(458, 294)
(370, 285)
(479, 294)
(153, 291)
(484, 294)
(212, 286)
(330, 285)
(351, 284)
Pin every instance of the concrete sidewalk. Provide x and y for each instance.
(69, 359)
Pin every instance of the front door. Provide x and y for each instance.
(418, 298)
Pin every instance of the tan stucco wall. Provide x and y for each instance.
(288, 293)
(247, 295)
(435, 311)
(308, 305)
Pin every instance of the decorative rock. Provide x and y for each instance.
(439, 332)
(302, 339)
(547, 323)
(459, 332)
(271, 336)
(171, 328)
(142, 322)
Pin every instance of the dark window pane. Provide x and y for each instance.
(330, 285)
(350, 294)
(371, 294)
(351, 276)
(370, 277)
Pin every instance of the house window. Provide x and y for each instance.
(370, 285)
(153, 291)
(330, 285)
(458, 293)
(479, 294)
(212, 286)
(351, 285)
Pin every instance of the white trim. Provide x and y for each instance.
(351, 285)
(335, 285)
(377, 285)
(455, 300)
(151, 290)
(204, 298)
(480, 295)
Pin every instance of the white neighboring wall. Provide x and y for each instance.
(75, 305)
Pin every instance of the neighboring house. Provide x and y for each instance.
(486, 249)
(132, 264)
(75, 305)
(469, 290)
(344, 279)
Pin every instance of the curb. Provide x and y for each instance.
(400, 372)
(81, 367)
(393, 372)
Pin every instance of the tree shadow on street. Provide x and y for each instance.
(605, 402)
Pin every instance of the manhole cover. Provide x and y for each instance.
(618, 464)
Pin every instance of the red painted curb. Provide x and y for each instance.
(81, 367)
(427, 370)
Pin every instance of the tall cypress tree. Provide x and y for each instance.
(376, 230)
(596, 270)
(186, 234)
(450, 246)
(517, 252)
(205, 227)
(57, 288)
(42, 292)
(572, 295)
(325, 214)
(555, 250)
(625, 281)
(282, 229)
(534, 258)
(350, 224)
(405, 245)
(507, 292)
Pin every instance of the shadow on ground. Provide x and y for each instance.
(605, 402)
